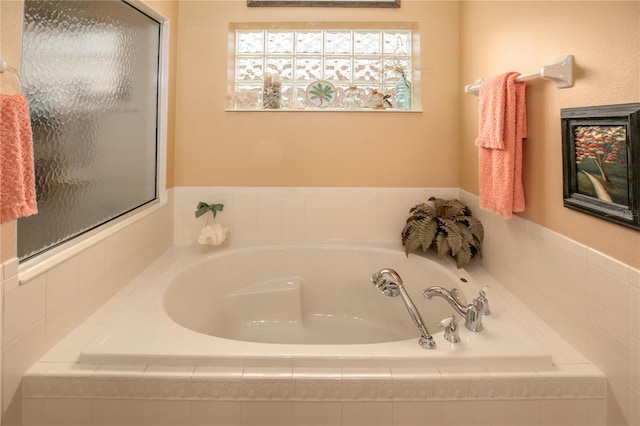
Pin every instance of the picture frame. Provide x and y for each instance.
(601, 162)
(324, 3)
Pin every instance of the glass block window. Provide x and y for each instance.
(369, 60)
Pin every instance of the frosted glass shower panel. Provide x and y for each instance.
(90, 71)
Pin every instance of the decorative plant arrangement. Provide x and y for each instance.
(448, 227)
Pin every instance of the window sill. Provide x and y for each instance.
(365, 110)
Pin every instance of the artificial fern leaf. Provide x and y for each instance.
(411, 243)
(476, 228)
(463, 257)
(448, 208)
(453, 235)
(442, 245)
(427, 233)
(465, 233)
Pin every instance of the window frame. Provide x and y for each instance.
(233, 82)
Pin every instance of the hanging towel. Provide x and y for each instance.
(503, 126)
(17, 179)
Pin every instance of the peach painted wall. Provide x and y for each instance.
(337, 149)
(604, 36)
(10, 33)
(169, 9)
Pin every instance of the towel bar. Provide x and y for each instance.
(561, 72)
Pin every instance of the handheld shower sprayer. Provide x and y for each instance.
(389, 283)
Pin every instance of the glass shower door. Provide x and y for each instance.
(90, 71)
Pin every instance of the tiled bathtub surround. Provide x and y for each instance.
(58, 390)
(44, 309)
(591, 299)
(297, 214)
(558, 278)
(233, 396)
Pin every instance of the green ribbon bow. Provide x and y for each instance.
(203, 208)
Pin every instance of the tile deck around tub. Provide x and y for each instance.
(59, 375)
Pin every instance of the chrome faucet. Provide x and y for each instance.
(389, 282)
(471, 313)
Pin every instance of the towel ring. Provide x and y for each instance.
(4, 67)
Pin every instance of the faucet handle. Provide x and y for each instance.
(484, 302)
(450, 329)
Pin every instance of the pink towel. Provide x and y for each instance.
(17, 180)
(503, 126)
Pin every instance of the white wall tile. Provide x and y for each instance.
(367, 413)
(10, 268)
(293, 206)
(18, 356)
(612, 358)
(33, 413)
(608, 303)
(577, 249)
(564, 412)
(166, 413)
(121, 412)
(24, 306)
(67, 412)
(269, 206)
(541, 253)
(634, 277)
(214, 413)
(316, 413)
(266, 413)
(570, 279)
(598, 412)
(10, 283)
(633, 411)
(417, 413)
(91, 265)
(264, 232)
(634, 311)
(463, 413)
(62, 283)
(634, 362)
(13, 415)
(515, 413)
(316, 206)
(608, 264)
(245, 207)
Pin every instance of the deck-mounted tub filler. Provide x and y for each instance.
(300, 323)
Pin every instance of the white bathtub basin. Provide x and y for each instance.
(299, 305)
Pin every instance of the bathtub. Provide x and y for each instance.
(301, 305)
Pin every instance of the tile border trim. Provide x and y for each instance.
(199, 389)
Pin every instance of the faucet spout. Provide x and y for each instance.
(389, 282)
(471, 313)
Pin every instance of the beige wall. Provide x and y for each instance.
(10, 33)
(340, 149)
(497, 37)
(169, 9)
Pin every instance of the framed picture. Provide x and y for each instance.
(601, 162)
(324, 3)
